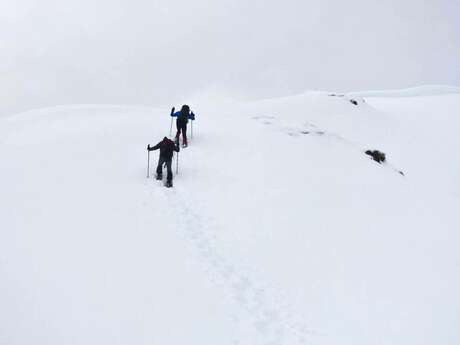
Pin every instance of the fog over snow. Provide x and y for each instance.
(161, 52)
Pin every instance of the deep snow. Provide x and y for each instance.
(279, 230)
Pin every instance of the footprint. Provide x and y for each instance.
(269, 117)
(308, 124)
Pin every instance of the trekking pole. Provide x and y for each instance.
(148, 163)
(191, 124)
(177, 164)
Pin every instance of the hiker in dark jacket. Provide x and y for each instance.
(181, 123)
(167, 148)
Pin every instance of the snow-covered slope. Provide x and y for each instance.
(279, 229)
(425, 90)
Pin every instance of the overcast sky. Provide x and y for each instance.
(161, 52)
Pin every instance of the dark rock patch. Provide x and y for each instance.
(353, 101)
(376, 155)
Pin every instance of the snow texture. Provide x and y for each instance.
(279, 229)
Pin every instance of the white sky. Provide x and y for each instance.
(159, 52)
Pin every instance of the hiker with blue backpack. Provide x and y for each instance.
(182, 118)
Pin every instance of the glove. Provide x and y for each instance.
(148, 147)
(172, 111)
(192, 116)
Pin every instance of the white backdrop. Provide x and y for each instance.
(162, 52)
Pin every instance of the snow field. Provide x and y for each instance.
(278, 230)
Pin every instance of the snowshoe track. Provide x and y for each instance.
(271, 317)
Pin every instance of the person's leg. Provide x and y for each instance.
(160, 167)
(184, 134)
(177, 133)
(169, 177)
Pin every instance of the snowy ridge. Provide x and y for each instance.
(279, 229)
(419, 91)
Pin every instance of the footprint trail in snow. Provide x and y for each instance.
(272, 319)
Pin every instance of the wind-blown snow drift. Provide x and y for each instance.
(279, 229)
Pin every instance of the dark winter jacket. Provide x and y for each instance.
(167, 148)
